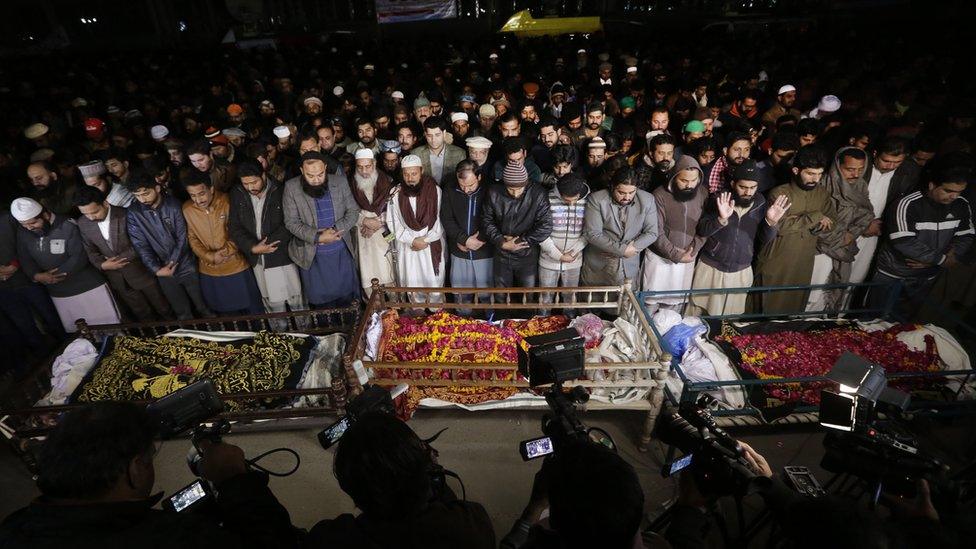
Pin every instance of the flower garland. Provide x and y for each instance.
(791, 354)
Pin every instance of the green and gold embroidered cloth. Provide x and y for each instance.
(147, 368)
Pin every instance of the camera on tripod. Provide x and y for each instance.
(553, 359)
(712, 455)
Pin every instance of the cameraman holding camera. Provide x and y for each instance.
(594, 499)
(393, 477)
(96, 475)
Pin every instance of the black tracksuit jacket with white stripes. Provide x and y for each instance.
(923, 230)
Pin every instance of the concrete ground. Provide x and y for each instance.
(480, 447)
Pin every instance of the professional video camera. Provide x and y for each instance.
(552, 359)
(882, 452)
(714, 457)
(189, 410)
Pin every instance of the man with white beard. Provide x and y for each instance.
(371, 190)
(413, 217)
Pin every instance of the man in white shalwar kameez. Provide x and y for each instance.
(413, 217)
(372, 192)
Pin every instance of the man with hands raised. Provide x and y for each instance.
(729, 224)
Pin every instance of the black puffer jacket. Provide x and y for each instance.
(526, 217)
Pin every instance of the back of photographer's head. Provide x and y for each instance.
(102, 451)
(384, 467)
(595, 498)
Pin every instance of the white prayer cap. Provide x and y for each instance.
(364, 154)
(581, 50)
(652, 134)
(25, 209)
(338, 91)
(369, 68)
(455, 116)
(281, 132)
(35, 131)
(233, 132)
(92, 169)
(397, 95)
(597, 143)
(478, 142)
(411, 161)
(312, 100)
(631, 69)
(493, 56)
(828, 104)
(785, 89)
(159, 132)
(42, 154)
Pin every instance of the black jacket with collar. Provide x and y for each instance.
(250, 513)
(461, 217)
(242, 230)
(526, 217)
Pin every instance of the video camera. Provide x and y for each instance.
(372, 399)
(714, 457)
(881, 452)
(187, 410)
(552, 359)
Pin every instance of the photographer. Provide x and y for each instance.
(594, 499)
(393, 477)
(96, 474)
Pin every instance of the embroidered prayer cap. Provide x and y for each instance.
(411, 161)
(477, 142)
(455, 116)
(365, 154)
(313, 101)
(159, 132)
(35, 131)
(94, 168)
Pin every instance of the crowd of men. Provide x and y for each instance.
(554, 164)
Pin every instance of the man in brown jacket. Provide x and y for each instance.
(669, 264)
(226, 279)
(106, 240)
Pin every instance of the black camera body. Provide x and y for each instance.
(717, 461)
(184, 410)
(552, 358)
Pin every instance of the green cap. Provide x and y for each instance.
(628, 102)
(695, 126)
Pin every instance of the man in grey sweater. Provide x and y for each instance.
(51, 253)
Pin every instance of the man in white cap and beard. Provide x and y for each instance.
(785, 101)
(371, 189)
(51, 253)
(413, 217)
(93, 173)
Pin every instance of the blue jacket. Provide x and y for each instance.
(159, 236)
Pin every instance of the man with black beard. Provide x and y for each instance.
(738, 146)
(51, 252)
(787, 259)
(57, 196)
(729, 224)
(320, 212)
(669, 263)
(658, 160)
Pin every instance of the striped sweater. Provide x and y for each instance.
(567, 233)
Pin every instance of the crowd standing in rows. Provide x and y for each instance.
(551, 164)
